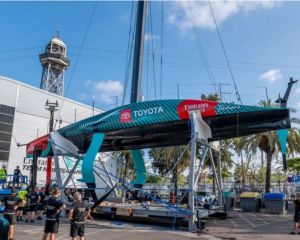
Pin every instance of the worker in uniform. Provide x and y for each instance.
(34, 201)
(11, 203)
(54, 207)
(23, 195)
(77, 216)
(17, 174)
(42, 204)
(3, 174)
(296, 205)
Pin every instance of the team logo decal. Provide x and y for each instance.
(125, 116)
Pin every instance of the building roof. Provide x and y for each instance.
(45, 92)
(58, 41)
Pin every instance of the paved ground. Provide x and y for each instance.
(243, 225)
(239, 225)
(103, 229)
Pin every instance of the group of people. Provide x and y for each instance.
(15, 204)
(16, 177)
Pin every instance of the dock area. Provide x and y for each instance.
(135, 210)
(240, 226)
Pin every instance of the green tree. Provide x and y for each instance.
(268, 142)
(154, 179)
(127, 169)
(293, 164)
(164, 160)
(210, 97)
(226, 158)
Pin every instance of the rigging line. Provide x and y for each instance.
(127, 73)
(153, 58)
(20, 49)
(72, 74)
(165, 55)
(161, 45)
(236, 90)
(208, 70)
(148, 26)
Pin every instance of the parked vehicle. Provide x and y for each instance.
(204, 197)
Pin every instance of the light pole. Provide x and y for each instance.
(220, 88)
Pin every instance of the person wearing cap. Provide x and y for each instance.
(17, 173)
(11, 204)
(3, 174)
(23, 194)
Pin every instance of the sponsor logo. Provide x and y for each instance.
(200, 107)
(125, 116)
(149, 111)
(206, 108)
(228, 107)
(71, 162)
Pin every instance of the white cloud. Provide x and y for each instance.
(179, 14)
(150, 36)
(88, 82)
(297, 90)
(297, 105)
(271, 76)
(82, 95)
(104, 91)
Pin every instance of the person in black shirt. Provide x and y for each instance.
(296, 205)
(34, 201)
(17, 173)
(54, 207)
(42, 204)
(11, 205)
(77, 216)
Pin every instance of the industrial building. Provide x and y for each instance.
(23, 116)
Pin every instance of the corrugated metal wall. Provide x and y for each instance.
(6, 124)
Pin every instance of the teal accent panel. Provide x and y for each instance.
(89, 158)
(161, 111)
(44, 153)
(139, 165)
(231, 108)
(47, 150)
(283, 134)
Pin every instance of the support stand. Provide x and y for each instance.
(200, 166)
(219, 167)
(200, 133)
(109, 178)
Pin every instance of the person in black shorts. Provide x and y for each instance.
(296, 205)
(54, 207)
(17, 173)
(11, 205)
(34, 201)
(42, 204)
(23, 194)
(77, 216)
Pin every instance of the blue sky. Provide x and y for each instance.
(262, 42)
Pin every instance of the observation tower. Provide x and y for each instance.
(54, 62)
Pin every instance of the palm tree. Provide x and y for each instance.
(268, 142)
(164, 160)
(127, 169)
(127, 159)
